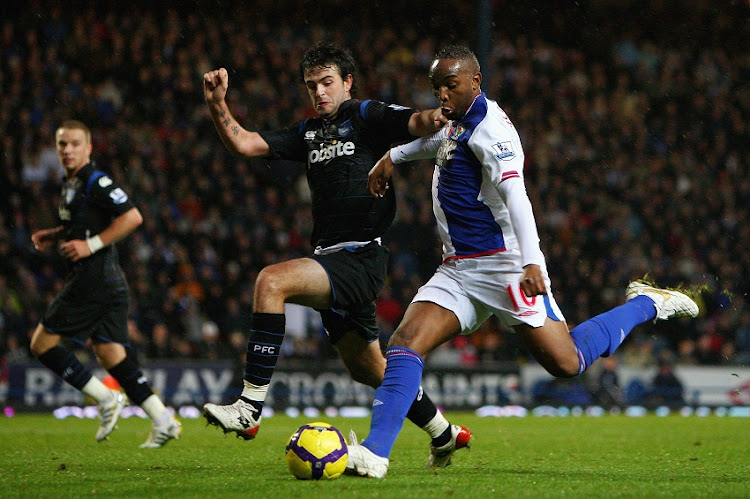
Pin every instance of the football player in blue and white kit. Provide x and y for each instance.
(347, 270)
(492, 262)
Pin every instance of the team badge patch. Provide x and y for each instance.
(456, 132)
(69, 195)
(118, 196)
(105, 181)
(503, 151)
(345, 128)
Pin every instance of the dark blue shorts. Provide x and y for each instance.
(357, 276)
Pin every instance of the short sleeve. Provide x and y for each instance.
(106, 194)
(287, 143)
(389, 121)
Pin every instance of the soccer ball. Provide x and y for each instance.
(316, 450)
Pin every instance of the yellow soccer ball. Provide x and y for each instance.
(317, 450)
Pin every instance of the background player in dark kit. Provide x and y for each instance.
(95, 214)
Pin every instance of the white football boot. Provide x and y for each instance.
(440, 457)
(160, 435)
(109, 412)
(240, 417)
(669, 303)
(363, 462)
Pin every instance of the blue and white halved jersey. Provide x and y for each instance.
(478, 177)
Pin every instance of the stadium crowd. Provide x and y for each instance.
(635, 133)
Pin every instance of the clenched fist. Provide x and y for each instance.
(215, 85)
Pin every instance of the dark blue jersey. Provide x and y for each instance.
(339, 154)
(88, 204)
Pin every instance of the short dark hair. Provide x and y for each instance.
(458, 52)
(326, 54)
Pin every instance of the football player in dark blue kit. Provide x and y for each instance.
(347, 270)
(95, 213)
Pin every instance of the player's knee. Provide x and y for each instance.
(401, 338)
(267, 283)
(37, 349)
(40, 343)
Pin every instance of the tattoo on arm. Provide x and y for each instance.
(226, 122)
(235, 130)
(222, 113)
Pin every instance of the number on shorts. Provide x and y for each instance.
(528, 301)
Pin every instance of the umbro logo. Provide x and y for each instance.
(244, 422)
(376, 402)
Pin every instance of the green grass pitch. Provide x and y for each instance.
(612, 456)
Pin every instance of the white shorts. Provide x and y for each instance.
(475, 288)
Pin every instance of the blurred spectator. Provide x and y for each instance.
(686, 352)
(666, 387)
(15, 351)
(211, 347)
(388, 311)
(608, 393)
(639, 352)
(160, 346)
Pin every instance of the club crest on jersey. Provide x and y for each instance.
(345, 128)
(310, 135)
(118, 196)
(69, 195)
(456, 132)
(503, 151)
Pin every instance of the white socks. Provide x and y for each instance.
(437, 425)
(155, 409)
(254, 392)
(95, 389)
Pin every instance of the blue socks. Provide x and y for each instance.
(403, 374)
(601, 335)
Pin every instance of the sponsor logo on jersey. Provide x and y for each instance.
(330, 151)
(105, 181)
(503, 151)
(445, 152)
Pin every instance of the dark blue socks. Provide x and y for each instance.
(263, 345)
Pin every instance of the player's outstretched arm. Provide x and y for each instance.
(238, 141)
(120, 228)
(426, 122)
(421, 148)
